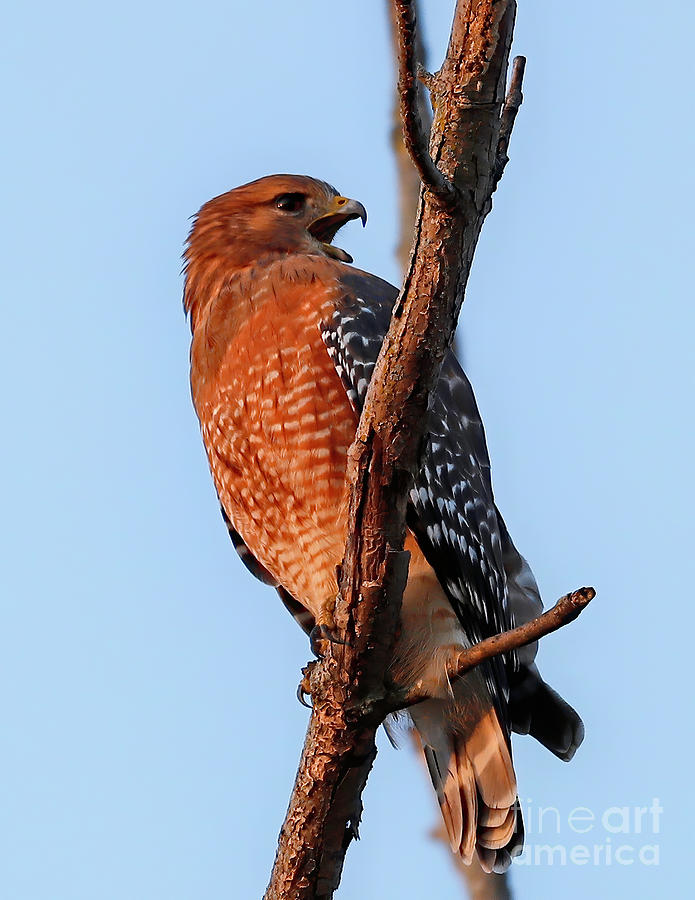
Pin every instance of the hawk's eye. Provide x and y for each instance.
(290, 202)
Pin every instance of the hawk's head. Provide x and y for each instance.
(274, 215)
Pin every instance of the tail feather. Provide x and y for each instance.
(471, 769)
(468, 794)
(489, 753)
(491, 817)
(498, 836)
(499, 860)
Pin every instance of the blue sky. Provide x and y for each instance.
(151, 731)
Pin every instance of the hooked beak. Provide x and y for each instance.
(325, 227)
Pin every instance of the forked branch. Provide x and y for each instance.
(349, 686)
(415, 135)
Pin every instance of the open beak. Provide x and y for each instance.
(325, 228)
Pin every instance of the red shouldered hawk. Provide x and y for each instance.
(285, 337)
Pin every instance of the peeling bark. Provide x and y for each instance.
(349, 686)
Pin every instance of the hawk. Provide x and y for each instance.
(285, 335)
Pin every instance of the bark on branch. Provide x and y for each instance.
(349, 686)
(415, 134)
(479, 885)
(565, 611)
(408, 177)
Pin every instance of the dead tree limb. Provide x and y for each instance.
(511, 107)
(478, 884)
(407, 174)
(349, 686)
(565, 611)
(415, 132)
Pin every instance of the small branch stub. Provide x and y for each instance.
(512, 103)
(566, 610)
(410, 73)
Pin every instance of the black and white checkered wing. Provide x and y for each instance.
(452, 511)
(354, 334)
(452, 514)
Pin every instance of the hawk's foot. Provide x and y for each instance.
(321, 633)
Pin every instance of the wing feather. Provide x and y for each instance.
(452, 510)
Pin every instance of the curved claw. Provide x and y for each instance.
(302, 692)
(323, 633)
(304, 686)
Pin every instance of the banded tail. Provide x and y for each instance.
(470, 763)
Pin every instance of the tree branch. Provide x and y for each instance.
(408, 178)
(414, 133)
(565, 611)
(512, 103)
(349, 702)
(350, 689)
(478, 884)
